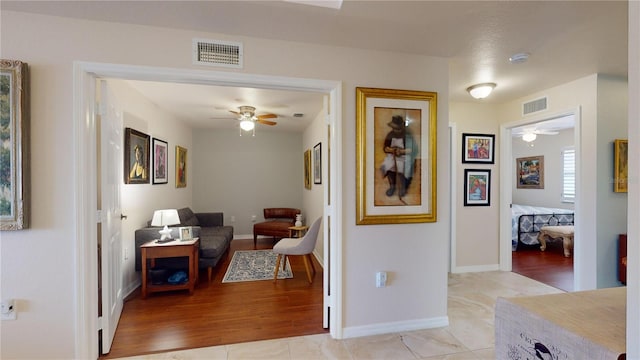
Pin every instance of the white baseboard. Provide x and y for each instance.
(131, 287)
(475, 268)
(394, 327)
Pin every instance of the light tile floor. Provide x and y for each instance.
(470, 334)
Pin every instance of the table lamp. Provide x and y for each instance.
(165, 218)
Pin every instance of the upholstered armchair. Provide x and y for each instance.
(276, 224)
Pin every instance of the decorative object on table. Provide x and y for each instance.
(165, 218)
(160, 156)
(181, 167)
(298, 220)
(186, 233)
(15, 176)
(477, 186)
(317, 164)
(478, 148)
(620, 161)
(395, 156)
(136, 157)
(254, 265)
(530, 172)
(307, 169)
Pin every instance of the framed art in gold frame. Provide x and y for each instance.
(15, 178)
(181, 167)
(620, 162)
(395, 156)
(307, 169)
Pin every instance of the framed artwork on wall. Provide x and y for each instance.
(160, 157)
(181, 167)
(317, 164)
(14, 146)
(620, 162)
(478, 148)
(530, 172)
(395, 156)
(136, 157)
(477, 186)
(307, 169)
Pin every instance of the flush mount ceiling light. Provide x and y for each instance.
(481, 91)
(519, 58)
(529, 137)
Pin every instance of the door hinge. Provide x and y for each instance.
(100, 109)
(100, 319)
(99, 216)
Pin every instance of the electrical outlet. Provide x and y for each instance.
(253, 218)
(381, 279)
(126, 253)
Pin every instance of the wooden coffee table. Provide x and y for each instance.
(176, 248)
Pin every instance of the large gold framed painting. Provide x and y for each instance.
(395, 156)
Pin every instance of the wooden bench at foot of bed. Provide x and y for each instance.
(554, 232)
(577, 325)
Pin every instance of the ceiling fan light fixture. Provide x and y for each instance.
(247, 125)
(529, 137)
(481, 91)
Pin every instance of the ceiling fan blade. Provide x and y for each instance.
(546, 132)
(267, 116)
(235, 112)
(266, 122)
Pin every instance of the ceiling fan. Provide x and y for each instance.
(248, 118)
(531, 133)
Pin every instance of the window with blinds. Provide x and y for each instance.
(569, 174)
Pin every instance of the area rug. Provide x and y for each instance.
(253, 265)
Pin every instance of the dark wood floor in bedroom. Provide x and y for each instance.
(218, 313)
(550, 267)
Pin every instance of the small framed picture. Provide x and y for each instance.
(477, 186)
(181, 167)
(530, 172)
(159, 161)
(620, 161)
(186, 233)
(317, 164)
(478, 148)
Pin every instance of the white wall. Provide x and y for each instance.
(242, 175)
(313, 199)
(139, 201)
(549, 146)
(415, 255)
(477, 226)
(601, 103)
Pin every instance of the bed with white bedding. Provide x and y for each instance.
(527, 220)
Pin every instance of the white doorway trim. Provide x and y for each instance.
(84, 138)
(453, 244)
(580, 268)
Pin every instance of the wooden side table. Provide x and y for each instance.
(297, 231)
(177, 248)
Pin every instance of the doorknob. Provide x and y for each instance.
(122, 217)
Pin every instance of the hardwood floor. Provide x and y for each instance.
(550, 267)
(218, 313)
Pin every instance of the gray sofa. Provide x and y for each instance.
(215, 239)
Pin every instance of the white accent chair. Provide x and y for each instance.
(299, 246)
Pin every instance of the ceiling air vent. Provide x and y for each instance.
(534, 106)
(217, 53)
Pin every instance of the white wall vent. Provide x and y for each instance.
(534, 106)
(217, 53)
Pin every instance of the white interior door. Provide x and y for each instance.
(110, 170)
